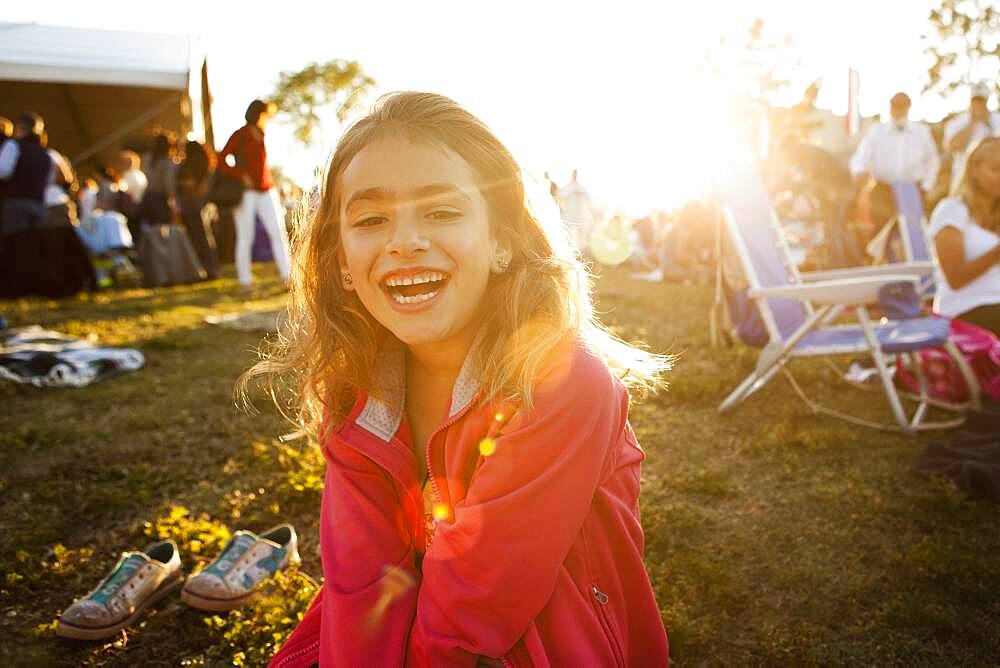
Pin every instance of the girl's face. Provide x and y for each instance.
(416, 240)
(987, 170)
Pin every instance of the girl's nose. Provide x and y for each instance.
(407, 238)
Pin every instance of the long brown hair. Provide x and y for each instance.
(327, 350)
(983, 207)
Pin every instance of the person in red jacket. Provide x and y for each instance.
(480, 505)
(260, 198)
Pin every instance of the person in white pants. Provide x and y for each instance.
(266, 206)
(260, 198)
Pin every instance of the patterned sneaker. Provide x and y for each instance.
(247, 560)
(138, 580)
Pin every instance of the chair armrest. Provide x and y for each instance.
(845, 291)
(919, 269)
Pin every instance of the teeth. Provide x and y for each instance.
(415, 299)
(426, 277)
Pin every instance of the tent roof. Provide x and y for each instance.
(43, 53)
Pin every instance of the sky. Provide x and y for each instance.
(610, 89)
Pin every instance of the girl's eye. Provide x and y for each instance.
(368, 221)
(444, 215)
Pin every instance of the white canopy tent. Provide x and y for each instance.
(102, 90)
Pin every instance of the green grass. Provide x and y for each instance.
(773, 536)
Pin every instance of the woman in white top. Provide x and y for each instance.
(966, 232)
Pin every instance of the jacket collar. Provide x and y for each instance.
(384, 405)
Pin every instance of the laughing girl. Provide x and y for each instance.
(481, 497)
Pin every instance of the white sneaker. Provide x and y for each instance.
(138, 580)
(246, 561)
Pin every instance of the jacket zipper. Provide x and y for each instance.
(297, 654)
(603, 599)
(427, 452)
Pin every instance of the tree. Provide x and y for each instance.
(758, 70)
(299, 95)
(964, 44)
(756, 63)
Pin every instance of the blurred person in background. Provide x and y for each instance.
(6, 135)
(24, 164)
(260, 198)
(133, 180)
(41, 254)
(192, 180)
(687, 249)
(104, 229)
(802, 173)
(898, 150)
(158, 205)
(574, 204)
(86, 197)
(165, 251)
(968, 128)
(966, 232)
(132, 184)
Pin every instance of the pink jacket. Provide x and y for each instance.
(538, 561)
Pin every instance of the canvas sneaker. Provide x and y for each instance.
(138, 580)
(246, 561)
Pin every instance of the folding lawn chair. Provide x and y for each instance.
(796, 313)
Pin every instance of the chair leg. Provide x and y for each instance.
(771, 359)
(737, 395)
(876, 352)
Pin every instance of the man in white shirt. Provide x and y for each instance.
(898, 150)
(968, 128)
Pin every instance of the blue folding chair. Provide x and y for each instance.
(797, 314)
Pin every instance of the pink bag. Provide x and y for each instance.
(981, 349)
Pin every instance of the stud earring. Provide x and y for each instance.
(348, 279)
(501, 262)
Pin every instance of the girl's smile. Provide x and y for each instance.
(414, 289)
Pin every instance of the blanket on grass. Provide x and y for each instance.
(43, 358)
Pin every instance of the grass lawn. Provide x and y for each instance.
(773, 536)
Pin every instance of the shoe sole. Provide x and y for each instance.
(209, 604)
(67, 630)
(215, 604)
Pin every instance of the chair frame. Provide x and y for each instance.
(824, 296)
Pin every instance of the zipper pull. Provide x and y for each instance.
(601, 597)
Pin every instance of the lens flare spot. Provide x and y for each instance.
(487, 447)
(440, 512)
(498, 417)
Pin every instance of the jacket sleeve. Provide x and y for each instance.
(490, 572)
(371, 580)
(230, 149)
